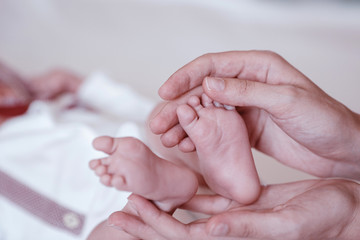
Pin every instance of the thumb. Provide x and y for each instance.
(245, 224)
(247, 93)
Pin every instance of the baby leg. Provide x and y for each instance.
(222, 144)
(132, 166)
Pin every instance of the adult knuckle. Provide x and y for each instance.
(244, 86)
(248, 230)
(205, 57)
(270, 55)
(292, 94)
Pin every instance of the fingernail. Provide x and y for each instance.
(116, 227)
(215, 84)
(220, 230)
(110, 224)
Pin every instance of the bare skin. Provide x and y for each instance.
(132, 166)
(223, 148)
(276, 102)
(280, 106)
(312, 209)
(210, 116)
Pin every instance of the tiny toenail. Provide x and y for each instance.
(228, 107)
(215, 84)
(220, 230)
(217, 104)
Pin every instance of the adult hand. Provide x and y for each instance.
(288, 117)
(313, 209)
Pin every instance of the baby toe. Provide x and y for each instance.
(104, 144)
(106, 180)
(105, 161)
(100, 170)
(118, 182)
(206, 100)
(94, 163)
(195, 103)
(186, 115)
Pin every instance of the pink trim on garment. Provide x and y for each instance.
(39, 205)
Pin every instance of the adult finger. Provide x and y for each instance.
(131, 228)
(254, 225)
(240, 92)
(262, 66)
(271, 196)
(173, 136)
(165, 224)
(186, 145)
(166, 118)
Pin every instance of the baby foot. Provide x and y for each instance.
(132, 166)
(222, 144)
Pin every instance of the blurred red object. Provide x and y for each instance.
(15, 97)
(12, 111)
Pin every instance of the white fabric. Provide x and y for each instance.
(49, 148)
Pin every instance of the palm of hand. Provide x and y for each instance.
(299, 210)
